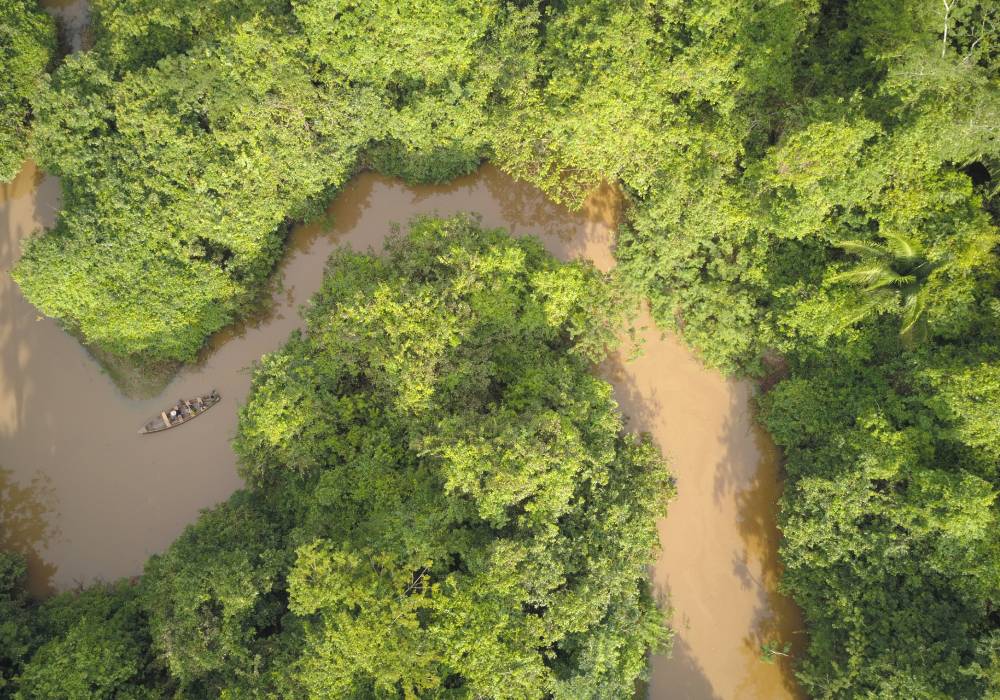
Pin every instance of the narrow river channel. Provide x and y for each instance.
(87, 498)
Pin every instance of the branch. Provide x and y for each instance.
(409, 588)
(947, 13)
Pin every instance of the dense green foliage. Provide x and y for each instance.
(182, 175)
(890, 519)
(869, 150)
(813, 189)
(16, 639)
(441, 502)
(656, 95)
(95, 644)
(82, 644)
(27, 42)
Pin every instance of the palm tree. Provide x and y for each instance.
(893, 271)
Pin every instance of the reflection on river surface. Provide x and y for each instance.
(86, 497)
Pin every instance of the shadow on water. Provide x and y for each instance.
(688, 681)
(26, 516)
(748, 478)
(641, 406)
(26, 182)
(27, 204)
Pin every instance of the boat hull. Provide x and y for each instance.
(187, 410)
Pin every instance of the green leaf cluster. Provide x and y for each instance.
(27, 44)
(890, 518)
(875, 145)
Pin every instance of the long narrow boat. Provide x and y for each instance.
(183, 411)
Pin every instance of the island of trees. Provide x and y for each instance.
(440, 502)
(440, 499)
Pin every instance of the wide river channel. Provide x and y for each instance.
(85, 497)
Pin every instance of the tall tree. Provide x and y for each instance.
(472, 519)
(896, 274)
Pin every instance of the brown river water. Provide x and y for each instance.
(87, 498)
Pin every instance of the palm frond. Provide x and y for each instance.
(862, 308)
(865, 275)
(866, 249)
(914, 311)
(902, 247)
(891, 279)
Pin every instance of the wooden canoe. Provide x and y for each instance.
(184, 411)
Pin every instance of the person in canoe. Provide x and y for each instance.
(181, 412)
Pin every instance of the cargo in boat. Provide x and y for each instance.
(181, 412)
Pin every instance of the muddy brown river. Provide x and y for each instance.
(87, 498)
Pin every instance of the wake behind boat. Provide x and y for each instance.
(181, 412)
